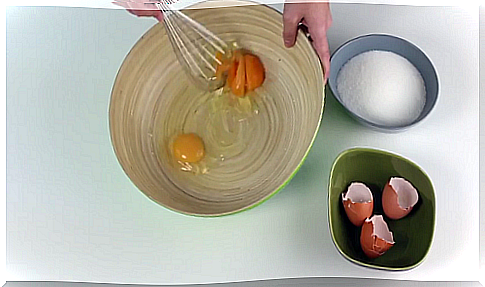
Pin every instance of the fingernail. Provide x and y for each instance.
(287, 43)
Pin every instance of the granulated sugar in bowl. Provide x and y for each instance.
(382, 87)
(384, 82)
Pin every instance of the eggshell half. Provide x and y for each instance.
(358, 203)
(398, 198)
(375, 237)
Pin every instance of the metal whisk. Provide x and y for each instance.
(194, 45)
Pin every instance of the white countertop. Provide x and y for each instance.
(73, 215)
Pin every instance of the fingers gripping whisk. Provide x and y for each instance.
(194, 45)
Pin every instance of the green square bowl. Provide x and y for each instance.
(413, 234)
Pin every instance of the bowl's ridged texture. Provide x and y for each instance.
(151, 97)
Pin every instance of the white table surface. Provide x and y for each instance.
(73, 215)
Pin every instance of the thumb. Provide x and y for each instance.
(320, 44)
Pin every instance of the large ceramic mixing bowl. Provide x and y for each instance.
(152, 96)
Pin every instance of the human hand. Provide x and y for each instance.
(316, 16)
(140, 8)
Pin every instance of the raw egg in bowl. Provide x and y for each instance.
(215, 153)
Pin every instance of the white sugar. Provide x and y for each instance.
(382, 87)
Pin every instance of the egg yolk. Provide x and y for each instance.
(254, 72)
(245, 72)
(188, 148)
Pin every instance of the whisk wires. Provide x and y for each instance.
(194, 45)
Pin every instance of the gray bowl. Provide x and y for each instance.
(396, 45)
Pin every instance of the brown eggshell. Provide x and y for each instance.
(358, 203)
(398, 198)
(375, 237)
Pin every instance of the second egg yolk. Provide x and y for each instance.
(188, 148)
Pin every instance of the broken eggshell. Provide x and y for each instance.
(375, 237)
(398, 198)
(358, 203)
